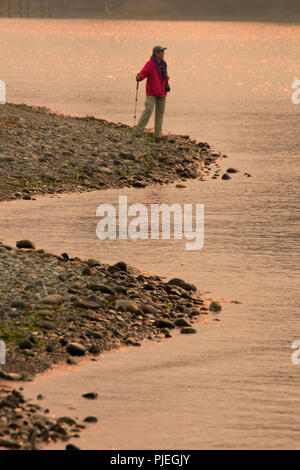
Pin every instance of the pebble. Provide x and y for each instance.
(93, 262)
(9, 444)
(76, 349)
(25, 244)
(54, 299)
(215, 307)
(127, 305)
(90, 395)
(120, 266)
(188, 330)
(90, 419)
(94, 349)
(181, 322)
(71, 447)
(71, 361)
(162, 323)
(184, 285)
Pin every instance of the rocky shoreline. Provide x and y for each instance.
(56, 309)
(43, 152)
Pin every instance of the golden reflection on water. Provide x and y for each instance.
(218, 57)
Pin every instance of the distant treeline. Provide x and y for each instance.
(155, 9)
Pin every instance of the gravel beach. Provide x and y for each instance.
(56, 309)
(43, 152)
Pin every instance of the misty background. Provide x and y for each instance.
(258, 10)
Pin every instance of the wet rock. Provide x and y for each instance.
(25, 244)
(232, 170)
(9, 444)
(57, 429)
(131, 342)
(72, 447)
(188, 330)
(90, 419)
(120, 266)
(184, 285)
(181, 322)
(93, 262)
(215, 307)
(67, 420)
(90, 396)
(11, 376)
(94, 349)
(195, 312)
(162, 323)
(76, 349)
(71, 361)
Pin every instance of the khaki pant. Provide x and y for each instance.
(159, 103)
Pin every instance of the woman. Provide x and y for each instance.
(155, 70)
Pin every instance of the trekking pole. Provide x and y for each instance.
(136, 99)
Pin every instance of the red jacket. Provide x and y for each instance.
(155, 85)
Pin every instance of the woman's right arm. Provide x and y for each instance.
(144, 72)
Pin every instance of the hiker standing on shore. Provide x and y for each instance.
(156, 90)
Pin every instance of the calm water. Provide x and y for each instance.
(232, 385)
